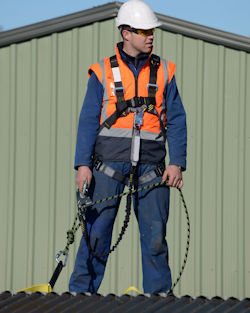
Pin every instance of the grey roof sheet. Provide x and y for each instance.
(86, 303)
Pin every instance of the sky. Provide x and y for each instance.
(227, 15)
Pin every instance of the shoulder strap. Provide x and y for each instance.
(154, 63)
(119, 90)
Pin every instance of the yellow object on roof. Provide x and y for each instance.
(38, 288)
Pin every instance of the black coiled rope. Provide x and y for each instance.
(71, 233)
(187, 245)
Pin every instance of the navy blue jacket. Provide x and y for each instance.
(89, 120)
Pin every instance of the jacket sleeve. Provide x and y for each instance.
(89, 122)
(176, 129)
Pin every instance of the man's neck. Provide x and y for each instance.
(142, 57)
(131, 52)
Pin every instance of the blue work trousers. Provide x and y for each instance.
(151, 209)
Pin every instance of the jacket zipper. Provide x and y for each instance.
(136, 86)
(136, 81)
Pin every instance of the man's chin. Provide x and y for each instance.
(147, 49)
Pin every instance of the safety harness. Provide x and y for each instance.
(137, 105)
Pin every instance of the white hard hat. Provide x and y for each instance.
(137, 14)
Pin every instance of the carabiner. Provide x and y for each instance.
(84, 189)
(83, 200)
(58, 255)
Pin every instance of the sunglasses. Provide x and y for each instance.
(142, 32)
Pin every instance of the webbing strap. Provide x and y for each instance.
(154, 64)
(123, 105)
(135, 146)
(56, 274)
(119, 90)
(110, 172)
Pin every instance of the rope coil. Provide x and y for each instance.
(129, 193)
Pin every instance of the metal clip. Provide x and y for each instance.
(160, 169)
(97, 164)
(84, 189)
(58, 255)
(138, 120)
(83, 200)
(119, 89)
(152, 86)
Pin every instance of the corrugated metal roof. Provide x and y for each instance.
(85, 303)
(109, 11)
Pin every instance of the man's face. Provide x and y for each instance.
(140, 42)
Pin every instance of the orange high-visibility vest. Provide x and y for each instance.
(123, 126)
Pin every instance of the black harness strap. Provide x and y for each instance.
(56, 274)
(153, 64)
(152, 88)
(122, 107)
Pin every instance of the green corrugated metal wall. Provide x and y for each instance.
(42, 85)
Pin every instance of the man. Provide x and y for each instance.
(131, 107)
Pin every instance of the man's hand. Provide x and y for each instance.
(84, 173)
(174, 175)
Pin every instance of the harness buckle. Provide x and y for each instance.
(118, 89)
(138, 119)
(154, 86)
(97, 164)
(160, 169)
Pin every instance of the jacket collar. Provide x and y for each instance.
(137, 62)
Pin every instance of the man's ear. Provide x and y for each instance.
(125, 34)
